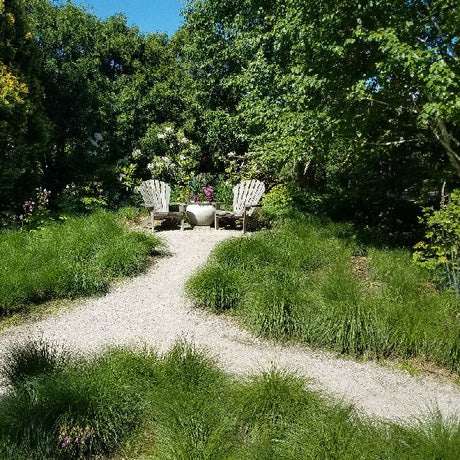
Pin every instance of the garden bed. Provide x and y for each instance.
(313, 282)
(78, 257)
(128, 404)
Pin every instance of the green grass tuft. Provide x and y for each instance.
(78, 257)
(25, 361)
(311, 281)
(182, 406)
(216, 287)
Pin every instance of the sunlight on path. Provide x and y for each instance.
(150, 310)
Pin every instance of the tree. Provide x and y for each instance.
(356, 100)
(23, 126)
(106, 85)
(426, 52)
(73, 84)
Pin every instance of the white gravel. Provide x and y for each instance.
(151, 310)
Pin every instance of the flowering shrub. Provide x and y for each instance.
(33, 214)
(179, 159)
(242, 166)
(165, 153)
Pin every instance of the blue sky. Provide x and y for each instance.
(149, 15)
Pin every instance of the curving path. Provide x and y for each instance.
(151, 310)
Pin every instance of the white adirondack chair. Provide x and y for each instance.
(156, 199)
(246, 197)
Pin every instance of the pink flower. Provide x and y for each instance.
(209, 192)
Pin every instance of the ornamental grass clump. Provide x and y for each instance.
(137, 404)
(80, 256)
(25, 361)
(78, 409)
(311, 281)
(218, 292)
(192, 407)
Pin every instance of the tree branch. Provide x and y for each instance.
(438, 28)
(386, 104)
(401, 141)
(448, 142)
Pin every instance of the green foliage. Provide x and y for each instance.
(78, 257)
(69, 72)
(24, 126)
(312, 282)
(373, 117)
(181, 405)
(82, 199)
(375, 106)
(224, 191)
(440, 251)
(108, 91)
(278, 202)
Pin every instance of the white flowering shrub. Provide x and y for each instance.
(164, 153)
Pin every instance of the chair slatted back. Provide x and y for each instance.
(247, 193)
(155, 194)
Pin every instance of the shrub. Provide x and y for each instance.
(224, 191)
(440, 252)
(278, 203)
(83, 198)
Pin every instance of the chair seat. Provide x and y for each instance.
(220, 213)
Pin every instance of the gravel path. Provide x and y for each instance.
(151, 310)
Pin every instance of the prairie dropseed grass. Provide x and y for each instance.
(128, 404)
(312, 282)
(78, 257)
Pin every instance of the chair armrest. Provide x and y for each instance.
(252, 206)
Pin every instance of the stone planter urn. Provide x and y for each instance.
(201, 213)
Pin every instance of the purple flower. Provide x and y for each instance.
(66, 441)
(209, 192)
